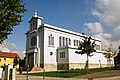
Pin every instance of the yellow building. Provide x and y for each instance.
(7, 58)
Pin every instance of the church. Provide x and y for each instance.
(53, 48)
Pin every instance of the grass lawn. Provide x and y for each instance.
(68, 73)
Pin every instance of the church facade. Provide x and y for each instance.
(52, 48)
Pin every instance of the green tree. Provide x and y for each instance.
(86, 47)
(117, 57)
(15, 61)
(10, 16)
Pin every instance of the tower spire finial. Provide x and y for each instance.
(35, 13)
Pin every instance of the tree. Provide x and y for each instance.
(21, 63)
(117, 60)
(109, 54)
(15, 61)
(86, 47)
(10, 16)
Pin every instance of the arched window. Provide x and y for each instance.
(51, 40)
(63, 41)
(60, 41)
(74, 42)
(33, 41)
(79, 43)
(69, 41)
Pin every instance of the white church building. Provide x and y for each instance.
(51, 47)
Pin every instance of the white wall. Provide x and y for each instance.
(78, 58)
(48, 49)
(73, 57)
(96, 57)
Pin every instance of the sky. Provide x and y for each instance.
(97, 18)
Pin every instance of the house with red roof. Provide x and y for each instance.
(8, 58)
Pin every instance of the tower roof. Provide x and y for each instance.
(35, 13)
(36, 16)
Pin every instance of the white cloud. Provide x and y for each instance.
(116, 34)
(108, 14)
(11, 47)
(103, 36)
(106, 41)
(4, 49)
(108, 11)
(104, 17)
(93, 27)
(20, 53)
(117, 29)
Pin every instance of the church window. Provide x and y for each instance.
(69, 41)
(62, 54)
(33, 41)
(63, 41)
(74, 42)
(51, 53)
(60, 41)
(51, 40)
(79, 43)
(31, 27)
(33, 23)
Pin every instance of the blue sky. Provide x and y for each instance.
(98, 18)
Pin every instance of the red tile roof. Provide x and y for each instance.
(9, 55)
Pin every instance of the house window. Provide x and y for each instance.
(62, 54)
(51, 40)
(33, 41)
(5, 59)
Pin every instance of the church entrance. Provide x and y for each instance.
(31, 59)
